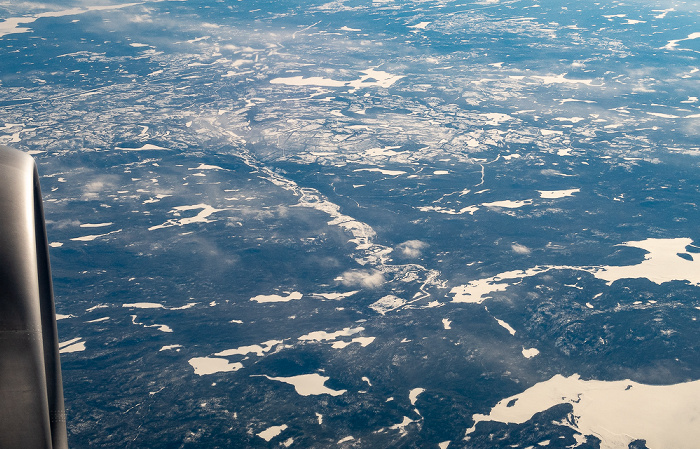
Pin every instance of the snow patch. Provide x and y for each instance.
(387, 304)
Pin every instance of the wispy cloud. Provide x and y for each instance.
(363, 278)
(411, 248)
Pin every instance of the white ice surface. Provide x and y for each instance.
(206, 167)
(160, 327)
(310, 81)
(549, 194)
(95, 225)
(277, 298)
(674, 43)
(259, 350)
(271, 432)
(146, 147)
(77, 347)
(530, 353)
(144, 305)
(89, 238)
(413, 395)
(72, 345)
(478, 290)
(325, 336)
(99, 306)
(509, 204)
(189, 305)
(560, 79)
(211, 365)
(617, 412)
(11, 25)
(661, 264)
(68, 342)
(401, 427)
(496, 118)
(382, 171)
(201, 217)
(370, 78)
(363, 341)
(336, 296)
(446, 210)
(506, 326)
(663, 12)
(170, 347)
(419, 26)
(309, 384)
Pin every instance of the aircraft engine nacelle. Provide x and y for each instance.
(31, 392)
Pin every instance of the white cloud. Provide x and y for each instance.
(364, 278)
(412, 248)
(94, 188)
(520, 249)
